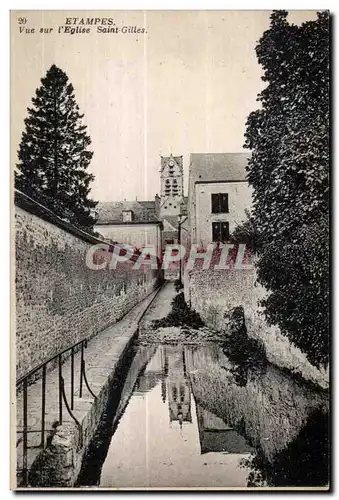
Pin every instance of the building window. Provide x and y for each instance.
(219, 203)
(127, 215)
(220, 231)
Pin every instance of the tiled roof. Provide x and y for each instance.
(143, 211)
(150, 205)
(218, 166)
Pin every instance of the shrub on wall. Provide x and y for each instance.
(246, 233)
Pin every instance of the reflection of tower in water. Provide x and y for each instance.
(168, 367)
(164, 364)
(178, 389)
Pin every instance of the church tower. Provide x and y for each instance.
(172, 188)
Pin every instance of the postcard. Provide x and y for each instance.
(170, 271)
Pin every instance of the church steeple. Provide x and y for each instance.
(171, 176)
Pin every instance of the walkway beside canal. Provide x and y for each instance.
(162, 306)
(101, 356)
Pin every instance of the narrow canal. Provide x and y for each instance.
(185, 418)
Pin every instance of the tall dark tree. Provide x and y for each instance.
(53, 153)
(289, 172)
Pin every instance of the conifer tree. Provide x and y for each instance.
(53, 153)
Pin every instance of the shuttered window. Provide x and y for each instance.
(219, 203)
(220, 231)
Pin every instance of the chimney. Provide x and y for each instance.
(157, 205)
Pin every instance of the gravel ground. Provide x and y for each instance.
(171, 335)
(179, 335)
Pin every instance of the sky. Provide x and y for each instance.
(184, 86)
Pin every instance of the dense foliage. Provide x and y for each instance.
(289, 172)
(180, 315)
(245, 233)
(53, 153)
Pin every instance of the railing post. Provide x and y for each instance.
(81, 368)
(43, 406)
(62, 399)
(60, 390)
(86, 381)
(72, 379)
(24, 439)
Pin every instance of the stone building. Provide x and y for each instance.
(171, 201)
(131, 222)
(218, 195)
(172, 189)
(145, 223)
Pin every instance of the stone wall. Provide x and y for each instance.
(213, 292)
(59, 300)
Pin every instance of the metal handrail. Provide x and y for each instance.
(41, 365)
(62, 397)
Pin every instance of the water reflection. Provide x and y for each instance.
(283, 418)
(185, 420)
(165, 440)
(216, 435)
